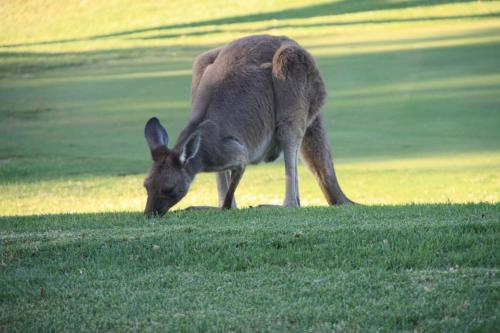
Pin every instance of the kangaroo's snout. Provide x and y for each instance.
(155, 207)
(155, 212)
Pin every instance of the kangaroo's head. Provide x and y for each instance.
(169, 178)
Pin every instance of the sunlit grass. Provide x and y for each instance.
(457, 179)
(179, 24)
(333, 28)
(22, 21)
(412, 111)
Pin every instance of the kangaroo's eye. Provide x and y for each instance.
(167, 191)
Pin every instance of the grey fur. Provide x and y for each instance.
(251, 100)
(223, 178)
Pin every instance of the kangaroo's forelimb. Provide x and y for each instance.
(236, 175)
(223, 179)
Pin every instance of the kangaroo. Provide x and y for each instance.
(251, 100)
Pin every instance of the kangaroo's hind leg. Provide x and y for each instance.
(289, 138)
(291, 145)
(316, 153)
(291, 69)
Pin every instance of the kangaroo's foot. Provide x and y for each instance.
(266, 206)
(200, 208)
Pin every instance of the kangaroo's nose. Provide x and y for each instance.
(155, 212)
(155, 207)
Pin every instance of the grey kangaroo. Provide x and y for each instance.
(251, 100)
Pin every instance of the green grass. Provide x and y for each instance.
(424, 268)
(413, 115)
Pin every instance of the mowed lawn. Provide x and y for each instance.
(424, 268)
(413, 116)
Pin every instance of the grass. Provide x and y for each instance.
(413, 118)
(424, 268)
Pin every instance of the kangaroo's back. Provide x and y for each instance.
(236, 92)
(249, 51)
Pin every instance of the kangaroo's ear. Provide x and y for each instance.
(156, 135)
(191, 147)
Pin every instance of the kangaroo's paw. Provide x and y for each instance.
(200, 207)
(266, 206)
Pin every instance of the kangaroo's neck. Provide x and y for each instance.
(204, 158)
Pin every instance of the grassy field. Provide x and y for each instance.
(424, 268)
(413, 115)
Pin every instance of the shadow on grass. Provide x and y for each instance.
(389, 237)
(182, 56)
(403, 266)
(32, 62)
(315, 25)
(334, 8)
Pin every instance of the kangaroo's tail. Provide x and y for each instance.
(316, 153)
